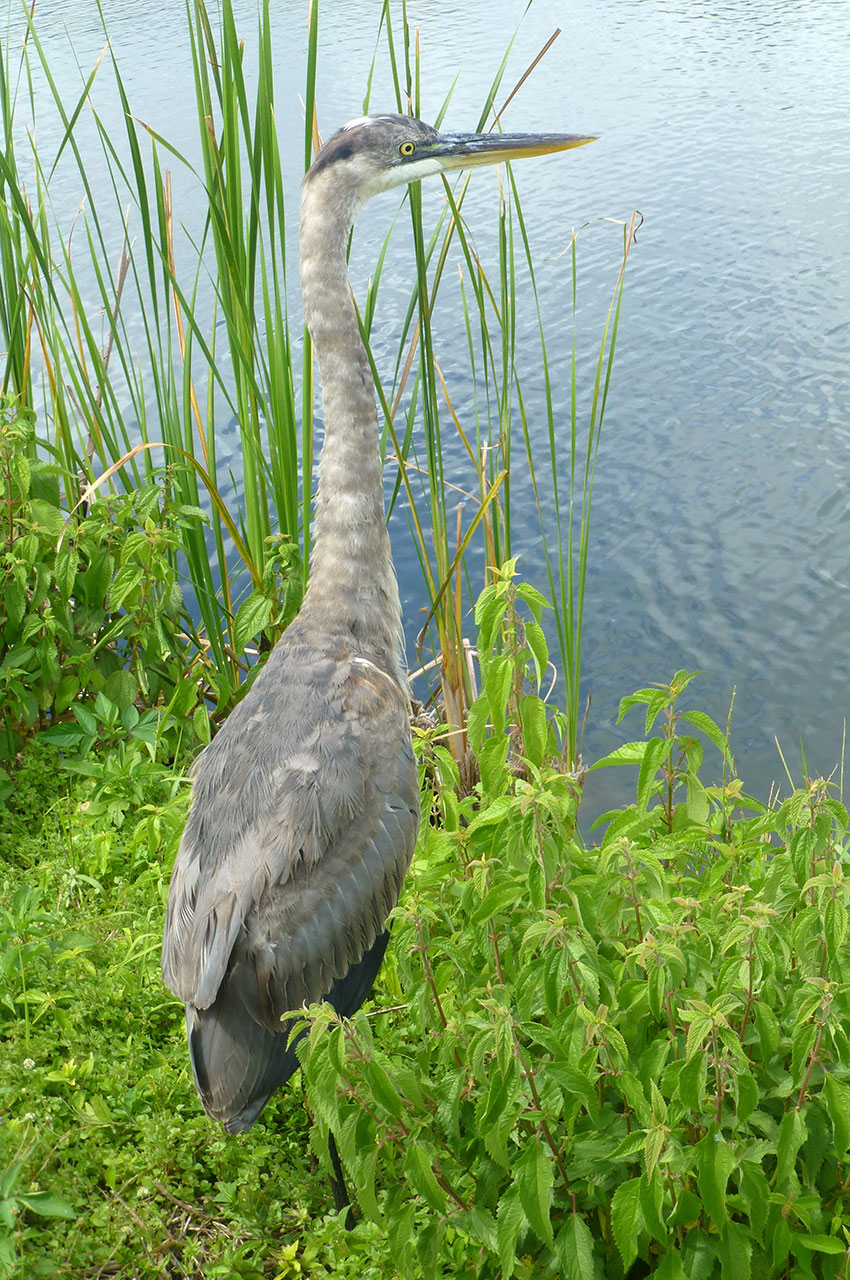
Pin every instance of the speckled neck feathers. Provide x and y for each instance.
(352, 584)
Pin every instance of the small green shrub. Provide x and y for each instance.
(631, 1059)
(90, 601)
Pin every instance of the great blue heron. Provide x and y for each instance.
(305, 807)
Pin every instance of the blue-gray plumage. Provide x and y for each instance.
(305, 807)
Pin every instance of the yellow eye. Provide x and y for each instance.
(407, 149)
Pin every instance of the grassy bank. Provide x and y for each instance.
(580, 1061)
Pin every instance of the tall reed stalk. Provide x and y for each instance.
(217, 348)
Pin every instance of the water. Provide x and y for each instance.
(722, 504)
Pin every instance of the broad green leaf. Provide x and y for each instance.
(492, 762)
(535, 730)
(627, 1220)
(497, 687)
(510, 1220)
(748, 1095)
(125, 582)
(121, 688)
(382, 1088)
(501, 896)
(535, 1179)
(817, 1243)
(657, 751)
(651, 1200)
(792, 1135)
(755, 1193)
(420, 1173)
(836, 1097)
(535, 639)
(768, 1030)
(252, 616)
(45, 1203)
(734, 1249)
(535, 600)
(574, 1249)
(706, 725)
(671, 1268)
(477, 721)
(628, 753)
(834, 927)
(715, 1163)
(48, 516)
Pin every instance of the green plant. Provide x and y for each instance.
(600, 1061)
(16, 1203)
(89, 599)
(232, 352)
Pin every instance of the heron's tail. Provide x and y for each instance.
(237, 1062)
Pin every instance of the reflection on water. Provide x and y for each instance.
(721, 514)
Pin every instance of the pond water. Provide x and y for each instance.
(721, 515)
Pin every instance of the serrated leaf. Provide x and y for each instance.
(500, 897)
(628, 753)
(492, 762)
(836, 1097)
(691, 1081)
(657, 751)
(420, 1174)
(510, 1220)
(817, 1243)
(477, 721)
(792, 1135)
(768, 1030)
(535, 639)
(671, 1268)
(748, 1095)
(535, 730)
(706, 725)
(497, 687)
(252, 615)
(574, 1249)
(125, 582)
(627, 1220)
(715, 1163)
(755, 1193)
(834, 927)
(734, 1249)
(535, 600)
(121, 688)
(381, 1088)
(48, 516)
(535, 1179)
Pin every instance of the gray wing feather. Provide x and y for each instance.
(303, 821)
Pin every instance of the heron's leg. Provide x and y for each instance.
(341, 1200)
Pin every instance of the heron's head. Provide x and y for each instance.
(373, 153)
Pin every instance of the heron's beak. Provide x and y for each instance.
(465, 150)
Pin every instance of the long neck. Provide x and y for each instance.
(352, 585)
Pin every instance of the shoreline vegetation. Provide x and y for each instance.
(621, 1052)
